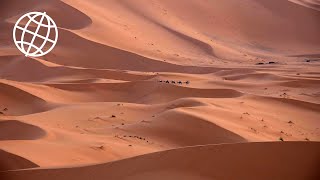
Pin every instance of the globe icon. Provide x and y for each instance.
(35, 34)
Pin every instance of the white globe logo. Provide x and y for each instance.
(38, 36)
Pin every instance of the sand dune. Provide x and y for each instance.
(29, 70)
(10, 162)
(213, 17)
(26, 131)
(163, 90)
(200, 162)
(18, 101)
(314, 4)
(12, 9)
(168, 127)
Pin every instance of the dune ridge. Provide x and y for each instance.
(208, 162)
(26, 131)
(314, 4)
(10, 162)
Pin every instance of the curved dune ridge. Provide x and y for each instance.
(18, 101)
(183, 129)
(162, 89)
(16, 130)
(10, 161)
(145, 92)
(314, 4)
(56, 9)
(30, 69)
(245, 161)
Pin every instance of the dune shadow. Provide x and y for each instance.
(73, 50)
(198, 43)
(283, 160)
(64, 15)
(9, 161)
(29, 70)
(314, 4)
(142, 92)
(21, 102)
(16, 130)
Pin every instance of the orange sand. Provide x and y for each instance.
(94, 108)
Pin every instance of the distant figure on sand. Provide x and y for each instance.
(174, 82)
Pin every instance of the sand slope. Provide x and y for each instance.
(200, 162)
(163, 89)
(10, 162)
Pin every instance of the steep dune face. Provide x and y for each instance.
(185, 81)
(258, 25)
(18, 101)
(212, 29)
(15, 130)
(256, 21)
(314, 4)
(31, 70)
(11, 162)
(12, 9)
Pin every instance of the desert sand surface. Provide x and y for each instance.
(163, 89)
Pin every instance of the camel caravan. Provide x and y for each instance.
(174, 82)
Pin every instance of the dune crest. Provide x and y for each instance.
(10, 161)
(16, 130)
(199, 162)
(314, 4)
